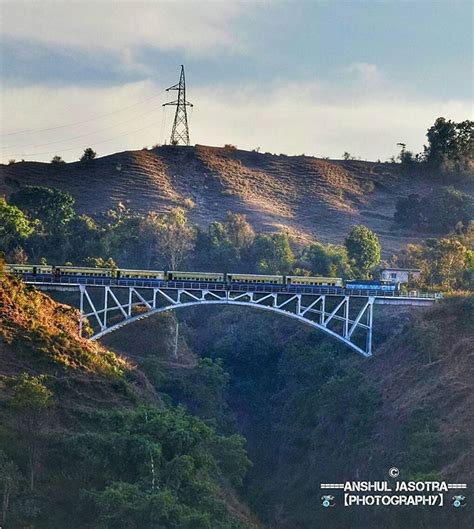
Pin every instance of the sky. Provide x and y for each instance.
(312, 77)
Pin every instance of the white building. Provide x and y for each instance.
(400, 275)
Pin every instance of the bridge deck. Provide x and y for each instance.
(381, 297)
(345, 314)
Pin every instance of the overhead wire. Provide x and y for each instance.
(33, 145)
(95, 143)
(82, 121)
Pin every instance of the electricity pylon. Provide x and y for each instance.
(180, 131)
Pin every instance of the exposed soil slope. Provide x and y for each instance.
(310, 198)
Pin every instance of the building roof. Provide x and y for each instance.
(393, 269)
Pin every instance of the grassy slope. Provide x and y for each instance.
(308, 197)
(40, 336)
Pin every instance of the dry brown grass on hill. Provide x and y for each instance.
(310, 198)
(40, 336)
(32, 322)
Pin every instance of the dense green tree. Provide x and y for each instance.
(223, 245)
(122, 239)
(441, 211)
(153, 468)
(447, 207)
(327, 260)
(91, 236)
(57, 160)
(214, 249)
(271, 254)
(15, 227)
(450, 144)
(409, 211)
(54, 208)
(446, 262)
(203, 390)
(364, 250)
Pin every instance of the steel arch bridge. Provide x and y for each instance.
(110, 305)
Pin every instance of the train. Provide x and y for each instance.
(56, 272)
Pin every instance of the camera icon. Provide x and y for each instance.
(328, 501)
(459, 501)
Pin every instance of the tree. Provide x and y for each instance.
(31, 401)
(447, 207)
(54, 208)
(176, 237)
(240, 232)
(166, 238)
(271, 254)
(100, 262)
(223, 244)
(57, 160)
(446, 262)
(441, 211)
(214, 249)
(89, 154)
(407, 158)
(450, 144)
(327, 260)
(364, 250)
(449, 257)
(9, 480)
(409, 211)
(14, 226)
(84, 238)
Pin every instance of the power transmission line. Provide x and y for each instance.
(80, 122)
(34, 145)
(180, 131)
(82, 146)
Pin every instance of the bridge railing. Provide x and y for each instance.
(256, 288)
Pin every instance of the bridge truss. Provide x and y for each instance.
(109, 304)
(345, 318)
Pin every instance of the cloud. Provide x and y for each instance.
(317, 118)
(193, 26)
(366, 71)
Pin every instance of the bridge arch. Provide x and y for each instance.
(353, 310)
(301, 313)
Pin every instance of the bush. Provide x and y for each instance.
(441, 211)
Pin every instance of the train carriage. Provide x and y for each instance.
(34, 269)
(205, 277)
(123, 273)
(314, 281)
(255, 278)
(83, 271)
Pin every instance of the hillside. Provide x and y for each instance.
(310, 410)
(86, 441)
(314, 412)
(310, 198)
